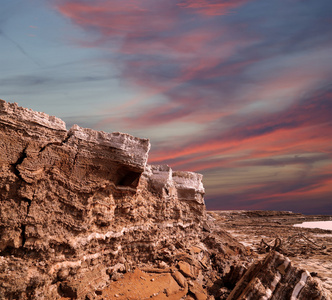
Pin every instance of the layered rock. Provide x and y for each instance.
(80, 200)
(276, 278)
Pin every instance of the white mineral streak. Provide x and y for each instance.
(28, 115)
(92, 256)
(267, 295)
(98, 254)
(175, 224)
(300, 285)
(78, 263)
(286, 262)
(276, 279)
(76, 243)
(269, 291)
(133, 147)
(65, 264)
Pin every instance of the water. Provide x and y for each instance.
(327, 225)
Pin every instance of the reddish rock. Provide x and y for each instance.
(179, 278)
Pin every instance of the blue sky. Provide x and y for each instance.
(239, 91)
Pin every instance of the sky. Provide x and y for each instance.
(237, 90)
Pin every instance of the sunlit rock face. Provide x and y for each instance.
(80, 200)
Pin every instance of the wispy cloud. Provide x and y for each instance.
(212, 7)
(252, 77)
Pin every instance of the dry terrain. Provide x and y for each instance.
(309, 248)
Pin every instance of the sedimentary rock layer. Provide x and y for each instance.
(276, 278)
(80, 200)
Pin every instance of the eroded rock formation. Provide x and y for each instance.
(275, 276)
(81, 200)
(80, 208)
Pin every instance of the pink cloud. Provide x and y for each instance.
(319, 187)
(249, 108)
(212, 7)
(279, 142)
(146, 29)
(113, 18)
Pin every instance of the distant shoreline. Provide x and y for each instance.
(267, 212)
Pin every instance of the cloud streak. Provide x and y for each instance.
(252, 78)
(212, 7)
(20, 48)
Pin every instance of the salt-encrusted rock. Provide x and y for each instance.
(180, 193)
(189, 186)
(276, 278)
(159, 179)
(186, 186)
(77, 201)
(121, 147)
(18, 116)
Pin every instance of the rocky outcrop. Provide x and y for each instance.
(82, 215)
(276, 278)
(82, 200)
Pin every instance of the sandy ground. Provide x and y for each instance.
(140, 285)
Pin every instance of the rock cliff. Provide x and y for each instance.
(81, 208)
(80, 200)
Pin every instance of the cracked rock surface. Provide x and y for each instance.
(83, 216)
